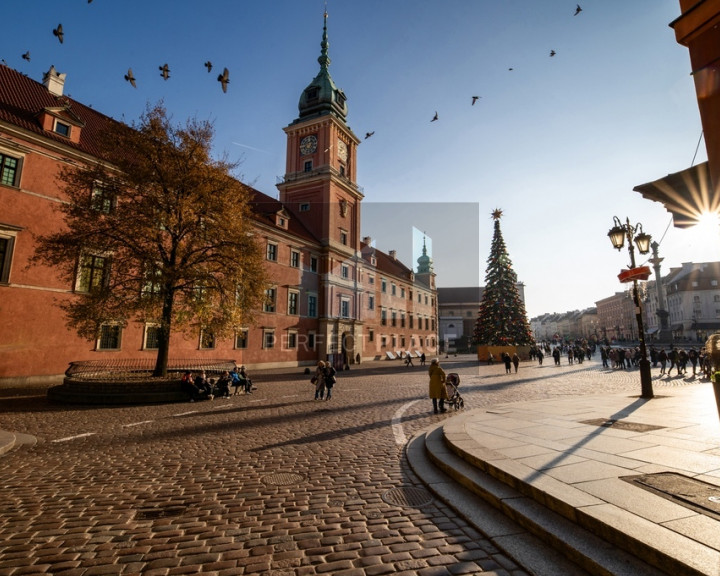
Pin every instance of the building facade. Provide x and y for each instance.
(331, 295)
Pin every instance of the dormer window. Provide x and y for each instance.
(305, 207)
(281, 220)
(62, 128)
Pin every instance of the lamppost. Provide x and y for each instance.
(617, 236)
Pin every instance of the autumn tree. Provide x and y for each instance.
(502, 320)
(157, 231)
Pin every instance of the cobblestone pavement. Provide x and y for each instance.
(270, 483)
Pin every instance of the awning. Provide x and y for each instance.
(652, 330)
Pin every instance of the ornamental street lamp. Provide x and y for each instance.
(617, 236)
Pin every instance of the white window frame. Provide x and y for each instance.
(268, 344)
(146, 332)
(295, 258)
(99, 341)
(19, 158)
(271, 250)
(296, 294)
(9, 235)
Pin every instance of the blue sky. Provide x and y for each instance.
(557, 143)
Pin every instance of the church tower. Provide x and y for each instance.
(320, 190)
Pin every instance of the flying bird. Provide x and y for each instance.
(511, 69)
(224, 79)
(130, 78)
(434, 117)
(552, 53)
(368, 134)
(26, 56)
(208, 65)
(164, 71)
(58, 32)
(577, 10)
(475, 99)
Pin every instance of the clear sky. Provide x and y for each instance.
(557, 143)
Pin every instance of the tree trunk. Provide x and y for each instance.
(161, 362)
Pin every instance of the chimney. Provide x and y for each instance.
(54, 81)
(393, 254)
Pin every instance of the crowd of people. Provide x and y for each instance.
(200, 387)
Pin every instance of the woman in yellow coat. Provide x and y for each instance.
(437, 386)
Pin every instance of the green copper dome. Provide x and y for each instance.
(322, 96)
(425, 263)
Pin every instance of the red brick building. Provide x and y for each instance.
(332, 295)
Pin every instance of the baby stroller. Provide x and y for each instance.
(452, 381)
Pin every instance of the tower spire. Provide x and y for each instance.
(324, 59)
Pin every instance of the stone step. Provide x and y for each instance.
(541, 540)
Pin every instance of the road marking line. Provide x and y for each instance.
(185, 413)
(290, 396)
(68, 438)
(400, 438)
(138, 423)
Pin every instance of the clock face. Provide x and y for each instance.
(308, 145)
(342, 150)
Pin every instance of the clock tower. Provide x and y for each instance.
(319, 186)
(320, 190)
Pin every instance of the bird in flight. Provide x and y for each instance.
(368, 134)
(26, 56)
(58, 32)
(434, 117)
(208, 65)
(224, 79)
(164, 71)
(130, 78)
(552, 53)
(577, 10)
(511, 69)
(475, 99)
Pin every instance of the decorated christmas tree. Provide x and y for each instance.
(502, 320)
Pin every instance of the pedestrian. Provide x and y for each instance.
(319, 381)
(330, 379)
(422, 359)
(245, 379)
(203, 384)
(235, 381)
(540, 356)
(437, 386)
(507, 360)
(693, 356)
(408, 359)
(516, 361)
(223, 384)
(663, 358)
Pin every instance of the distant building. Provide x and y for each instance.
(457, 313)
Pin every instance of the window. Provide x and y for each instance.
(102, 200)
(7, 243)
(305, 207)
(109, 337)
(716, 298)
(383, 341)
(383, 317)
(241, 339)
(313, 264)
(92, 274)
(383, 286)
(272, 251)
(293, 297)
(426, 299)
(312, 305)
(371, 302)
(62, 128)
(292, 340)
(268, 339)
(307, 167)
(343, 238)
(419, 298)
(371, 279)
(345, 271)
(393, 289)
(410, 321)
(207, 340)
(393, 318)
(152, 337)
(270, 295)
(9, 168)
(713, 282)
(371, 335)
(696, 298)
(427, 324)
(402, 292)
(694, 284)
(311, 340)
(402, 319)
(345, 308)
(152, 281)
(295, 259)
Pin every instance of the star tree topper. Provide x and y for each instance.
(497, 214)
